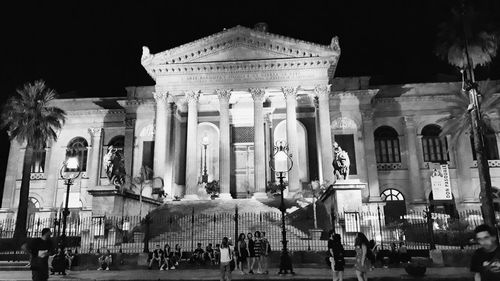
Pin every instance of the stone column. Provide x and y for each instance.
(96, 147)
(317, 128)
(323, 94)
(160, 153)
(9, 188)
(290, 94)
(415, 180)
(224, 144)
(128, 149)
(370, 158)
(169, 152)
(191, 145)
(259, 163)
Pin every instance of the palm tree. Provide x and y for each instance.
(457, 122)
(29, 116)
(469, 40)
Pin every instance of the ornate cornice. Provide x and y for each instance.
(426, 98)
(223, 94)
(192, 96)
(258, 94)
(95, 132)
(322, 91)
(290, 92)
(95, 112)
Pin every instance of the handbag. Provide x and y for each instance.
(232, 265)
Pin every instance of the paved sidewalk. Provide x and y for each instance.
(445, 273)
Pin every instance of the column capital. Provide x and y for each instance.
(322, 91)
(129, 123)
(258, 94)
(192, 96)
(95, 132)
(161, 97)
(290, 92)
(367, 115)
(223, 94)
(409, 121)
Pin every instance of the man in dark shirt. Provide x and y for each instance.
(158, 257)
(197, 256)
(39, 250)
(485, 262)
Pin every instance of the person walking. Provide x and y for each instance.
(241, 252)
(362, 264)
(225, 260)
(336, 252)
(39, 250)
(251, 253)
(485, 262)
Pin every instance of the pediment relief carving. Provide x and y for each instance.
(240, 43)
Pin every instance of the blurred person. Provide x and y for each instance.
(362, 264)
(337, 256)
(485, 262)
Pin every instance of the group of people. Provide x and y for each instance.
(254, 252)
(166, 258)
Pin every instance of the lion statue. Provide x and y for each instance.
(114, 165)
(340, 163)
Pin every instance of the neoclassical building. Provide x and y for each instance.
(221, 102)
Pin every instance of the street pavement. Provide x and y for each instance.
(435, 273)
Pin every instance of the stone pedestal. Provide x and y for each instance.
(107, 200)
(347, 195)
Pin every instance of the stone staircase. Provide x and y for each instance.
(14, 266)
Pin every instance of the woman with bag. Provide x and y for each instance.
(336, 253)
(226, 259)
(241, 252)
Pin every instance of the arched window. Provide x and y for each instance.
(77, 147)
(435, 148)
(395, 207)
(490, 141)
(387, 145)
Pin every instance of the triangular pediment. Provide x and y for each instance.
(241, 44)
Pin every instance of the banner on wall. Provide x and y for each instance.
(440, 183)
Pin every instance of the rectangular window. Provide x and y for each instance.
(38, 163)
(148, 148)
(346, 142)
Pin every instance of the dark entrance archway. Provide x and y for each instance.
(447, 207)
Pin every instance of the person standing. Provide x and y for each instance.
(362, 264)
(337, 260)
(485, 262)
(258, 251)
(241, 252)
(266, 250)
(251, 252)
(39, 250)
(225, 260)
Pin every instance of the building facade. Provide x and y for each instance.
(221, 102)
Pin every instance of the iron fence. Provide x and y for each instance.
(418, 230)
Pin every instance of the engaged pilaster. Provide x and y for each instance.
(416, 187)
(93, 170)
(370, 158)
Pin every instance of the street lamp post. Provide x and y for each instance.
(204, 177)
(69, 172)
(282, 164)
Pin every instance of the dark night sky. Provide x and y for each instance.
(94, 49)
